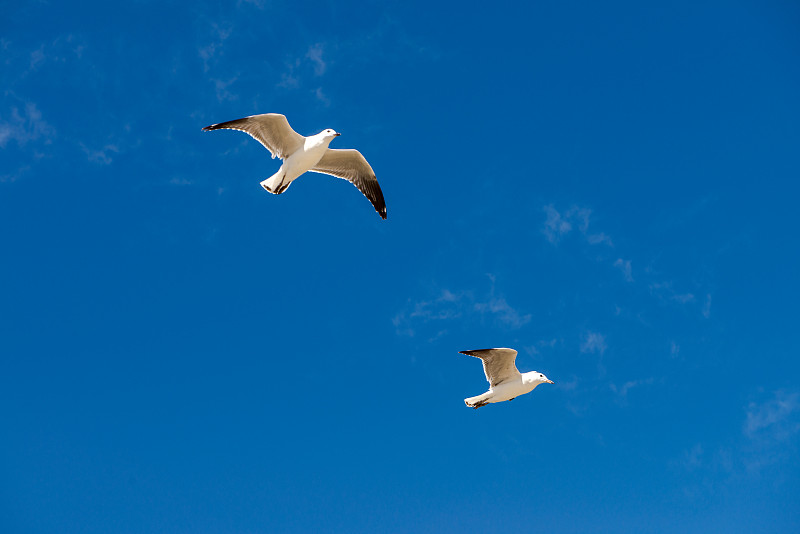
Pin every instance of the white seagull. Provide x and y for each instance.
(301, 154)
(505, 381)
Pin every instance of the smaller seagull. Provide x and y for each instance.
(301, 154)
(505, 381)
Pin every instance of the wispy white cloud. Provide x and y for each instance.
(25, 126)
(24, 62)
(464, 306)
(699, 459)
(288, 79)
(707, 306)
(212, 51)
(767, 439)
(773, 419)
(593, 342)
(576, 224)
(625, 267)
(103, 150)
(581, 216)
(445, 306)
(103, 156)
(536, 348)
(770, 429)
(498, 307)
(299, 70)
(14, 175)
(314, 54)
(322, 97)
(558, 225)
(223, 93)
(555, 226)
(665, 291)
(597, 239)
(37, 58)
(622, 391)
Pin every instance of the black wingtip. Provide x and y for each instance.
(209, 128)
(474, 352)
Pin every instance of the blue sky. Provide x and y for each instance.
(611, 189)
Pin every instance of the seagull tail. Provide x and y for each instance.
(480, 400)
(277, 183)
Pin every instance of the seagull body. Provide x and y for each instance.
(302, 154)
(505, 381)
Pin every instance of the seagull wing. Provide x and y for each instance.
(270, 129)
(498, 364)
(351, 165)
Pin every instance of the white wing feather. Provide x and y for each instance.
(270, 129)
(350, 165)
(498, 364)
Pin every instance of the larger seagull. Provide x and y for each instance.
(505, 381)
(301, 154)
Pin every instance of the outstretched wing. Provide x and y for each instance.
(498, 364)
(270, 129)
(351, 165)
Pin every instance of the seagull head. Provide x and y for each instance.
(541, 379)
(329, 134)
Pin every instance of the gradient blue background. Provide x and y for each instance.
(610, 188)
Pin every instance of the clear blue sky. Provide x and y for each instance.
(611, 188)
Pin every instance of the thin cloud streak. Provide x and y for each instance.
(462, 305)
(102, 156)
(212, 51)
(314, 55)
(557, 225)
(593, 343)
(25, 127)
(772, 419)
(625, 267)
(665, 292)
(767, 439)
(622, 391)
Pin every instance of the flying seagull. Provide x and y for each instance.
(505, 381)
(301, 154)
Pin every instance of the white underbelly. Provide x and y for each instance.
(302, 161)
(508, 391)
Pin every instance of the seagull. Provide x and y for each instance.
(505, 381)
(301, 154)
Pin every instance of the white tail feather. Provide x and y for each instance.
(478, 401)
(277, 183)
